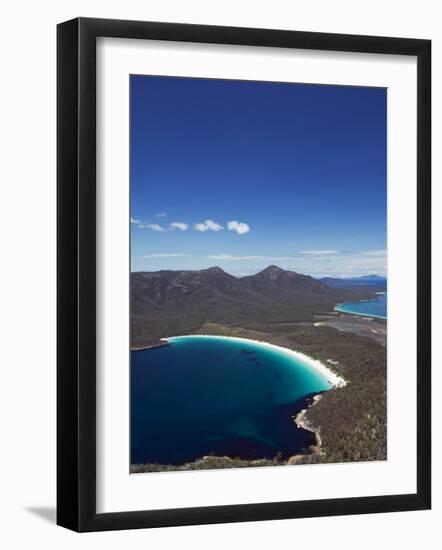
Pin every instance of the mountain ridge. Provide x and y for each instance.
(168, 302)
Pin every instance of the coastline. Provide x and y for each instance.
(335, 380)
(367, 349)
(299, 418)
(302, 422)
(366, 315)
(375, 329)
(339, 307)
(152, 346)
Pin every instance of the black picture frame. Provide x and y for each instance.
(76, 274)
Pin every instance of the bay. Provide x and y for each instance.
(201, 395)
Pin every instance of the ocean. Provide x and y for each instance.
(202, 395)
(376, 308)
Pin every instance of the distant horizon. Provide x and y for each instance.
(247, 174)
(365, 276)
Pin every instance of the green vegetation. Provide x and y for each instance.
(205, 463)
(350, 422)
(175, 303)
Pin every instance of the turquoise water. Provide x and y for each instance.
(201, 395)
(376, 308)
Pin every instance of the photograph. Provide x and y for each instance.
(258, 274)
(219, 318)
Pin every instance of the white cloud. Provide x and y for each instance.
(179, 225)
(135, 221)
(153, 226)
(319, 252)
(164, 255)
(161, 215)
(375, 253)
(208, 225)
(239, 227)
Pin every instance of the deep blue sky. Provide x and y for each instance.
(304, 166)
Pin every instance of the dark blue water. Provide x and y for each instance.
(202, 395)
(376, 308)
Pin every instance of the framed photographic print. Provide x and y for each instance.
(243, 274)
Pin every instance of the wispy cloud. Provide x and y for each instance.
(208, 225)
(179, 225)
(164, 255)
(343, 264)
(135, 221)
(318, 252)
(239, 227)
(152, 226)
(161, 215)
(375, 253)
(229, 257)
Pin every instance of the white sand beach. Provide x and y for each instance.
(333, 379)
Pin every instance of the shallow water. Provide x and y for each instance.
(376, 308)
(198, 396)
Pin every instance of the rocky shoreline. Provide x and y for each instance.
(301, 420)
(343, 429)
(212, 461)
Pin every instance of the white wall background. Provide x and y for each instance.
(27, 299)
